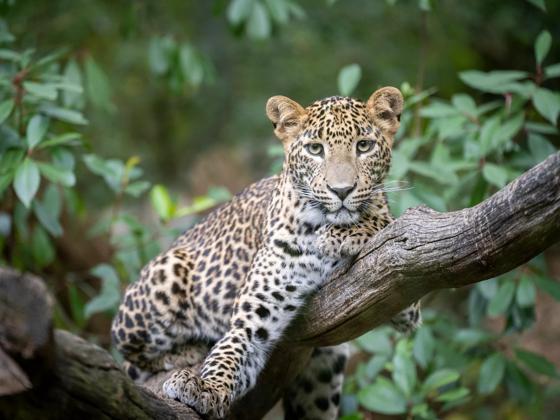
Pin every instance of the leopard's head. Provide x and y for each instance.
(338, 150)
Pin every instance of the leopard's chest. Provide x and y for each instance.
(306, 266)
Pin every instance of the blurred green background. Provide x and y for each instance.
(123, 122)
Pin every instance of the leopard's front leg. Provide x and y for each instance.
(275, 288)
(346, 241)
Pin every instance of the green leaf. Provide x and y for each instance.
(41, 90)
(41, 248)
(404, 373)
(540, 147)
(424, 5)
(296, 10)
(52, 200)
(48, 218)
(438, 110)
(476, 307)
(98, 88)
(76, 304)
(551, 287)
(439, 379)
(376, 341)
(136, 189)
(47, 61)
(109, 296)
(487, 133)
(162, 202)
(9, 55)
(97, 165)
(509, 129)
(552, 71)
(422, 410)
(495, 175)
(63, 159)
(453, 395)
(66, 139)
(493, 81)
(191, 65)
(434, 172)
(6, 108)
(424, 346)
(258, 24)
(501, 301)
(57, 175)
(537, 363)
(348, 78)
(73, 76)
(36, 129)
(112, 170)
(488, 288)
(540, 128)
(494, 134)
(465, 104)
(278, 10)
(63, 114)
(491, 373)
(526, 293)
(5, 181)
(239, 10)
(383, 397)
(542, 46)
(547, 103)
(538, 3)
(478, 192)
(519, 386)
(469, 337)
(375, 365)
(11, 159)
(219, 194)
(26, 181)
(159, 54)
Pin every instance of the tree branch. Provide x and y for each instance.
(420, 252)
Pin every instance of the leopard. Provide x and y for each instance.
(225, 291)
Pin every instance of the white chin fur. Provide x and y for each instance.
(313, 216)
(342, 217)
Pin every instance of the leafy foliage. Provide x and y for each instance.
(450, 153)
(471, 149)
(41, 110)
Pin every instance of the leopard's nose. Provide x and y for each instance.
(342, 192)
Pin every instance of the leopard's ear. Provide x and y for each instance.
(384, 107)
(286, 116)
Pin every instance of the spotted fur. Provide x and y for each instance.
(231, 285)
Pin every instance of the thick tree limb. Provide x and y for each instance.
(420, 252)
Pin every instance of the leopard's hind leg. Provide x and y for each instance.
(315, 393)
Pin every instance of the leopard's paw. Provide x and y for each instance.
(408, 319)
(338, 247)
(350, 246)
(190, 389)
(328, 246)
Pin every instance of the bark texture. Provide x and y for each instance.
(420, 252)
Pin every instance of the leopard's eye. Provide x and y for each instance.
(364, 146)
(315, 149)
